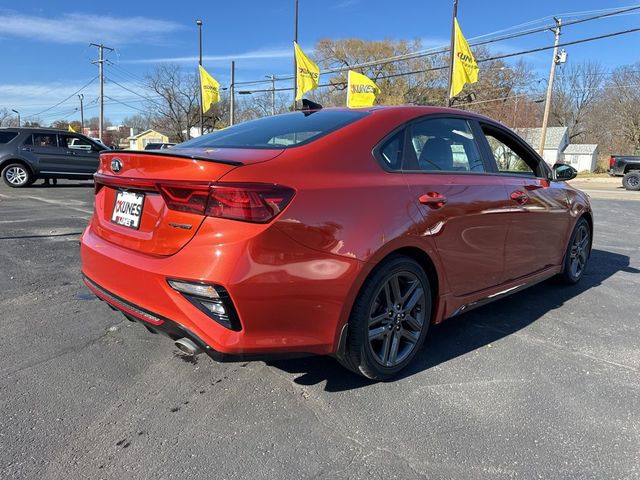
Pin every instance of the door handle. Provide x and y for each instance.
(433, 200)
(519, 197)
(27, 149)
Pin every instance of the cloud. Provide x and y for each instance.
(345, 4)
(84, 28)
(250, 55)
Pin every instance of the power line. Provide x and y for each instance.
(125, 104)
(64, 100)
(441, 50)
(482, 60)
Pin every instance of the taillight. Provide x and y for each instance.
(192, 199)
(248, 202)
(612, 162)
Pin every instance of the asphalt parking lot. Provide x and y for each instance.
(544, 384)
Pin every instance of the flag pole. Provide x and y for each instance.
(295, 63)
(453, 45)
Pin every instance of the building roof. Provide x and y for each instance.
(141, 134)
(552, 141)
(581, 148)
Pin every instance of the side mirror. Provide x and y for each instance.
(563, 172)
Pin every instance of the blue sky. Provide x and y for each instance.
(44, 52)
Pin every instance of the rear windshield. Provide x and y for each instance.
(6, 137)
(280, 131)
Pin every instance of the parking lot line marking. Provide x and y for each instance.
(63, 204)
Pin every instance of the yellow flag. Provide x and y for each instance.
(361, 91)
(210, 89)
(465, 67)
(308, 73)
(71, 129)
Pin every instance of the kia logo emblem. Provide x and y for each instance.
(116, 165)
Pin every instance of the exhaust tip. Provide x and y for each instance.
(187, 347)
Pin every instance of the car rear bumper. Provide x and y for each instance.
(291, 302)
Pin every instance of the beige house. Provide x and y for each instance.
(139, 141)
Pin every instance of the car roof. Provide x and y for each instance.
(414, 110)
(39, 129)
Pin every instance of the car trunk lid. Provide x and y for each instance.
(133, 190)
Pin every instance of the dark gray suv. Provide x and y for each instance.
(27, 154)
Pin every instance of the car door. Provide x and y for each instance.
(462, 208)
(539, 215)
(83, 156)
(44, 147)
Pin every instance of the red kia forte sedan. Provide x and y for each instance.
(333, 231)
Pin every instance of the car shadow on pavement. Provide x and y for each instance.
(468, 332)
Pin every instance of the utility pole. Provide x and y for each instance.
(295, 63)
(100, 62)
(81, 97)
(273, 93)
(199, 23)
(232, 100)
(552, 74)
(449, 101)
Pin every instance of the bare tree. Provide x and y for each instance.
(423, 86)
(616, 115)
(7, 118)
(575, 91)
(139, 122)
(175, 102)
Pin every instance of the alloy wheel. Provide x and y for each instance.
(579, 251)
(16, 175)
(396, 318)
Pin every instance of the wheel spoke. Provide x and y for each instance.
(387, 296)
(410, 290)
(413, 322)
(377, 333)
(395, 289)
(385, 349)
(409, 335)
(393, 351)
(378, 318)
(412, 302)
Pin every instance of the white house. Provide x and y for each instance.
(555, 142)
(581, 156)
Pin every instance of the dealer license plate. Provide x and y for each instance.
(128, 209)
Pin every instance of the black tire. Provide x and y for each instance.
(577, 254)
(631, 180)
(392, 311)
(17, 175)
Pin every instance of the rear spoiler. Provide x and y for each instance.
(172, 153)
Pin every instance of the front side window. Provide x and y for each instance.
(444, 145)
(279, 131)
(510, 157)
(73, 142)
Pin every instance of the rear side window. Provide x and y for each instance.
(6, 137)
(390, 153)
(280, 131)
(444, 145)
(43, 140)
